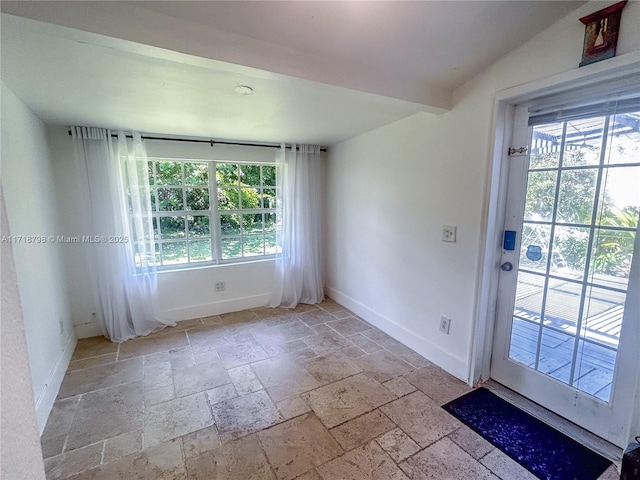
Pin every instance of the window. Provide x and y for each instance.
(192, 226)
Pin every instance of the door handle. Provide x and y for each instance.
(506, 267)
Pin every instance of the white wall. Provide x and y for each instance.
(27, 179)
(21, 453)
(391, 190)
(185, 293)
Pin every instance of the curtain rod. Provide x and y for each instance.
(211, 142)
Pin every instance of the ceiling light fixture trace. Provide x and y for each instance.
(243, 90)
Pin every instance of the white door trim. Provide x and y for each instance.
(495, 197)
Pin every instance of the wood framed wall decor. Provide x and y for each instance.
(601, 33)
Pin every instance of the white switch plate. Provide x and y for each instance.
(449, 233)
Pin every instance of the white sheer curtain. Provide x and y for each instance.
(298, 277)
(116, 210)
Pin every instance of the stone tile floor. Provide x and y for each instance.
(313, 393)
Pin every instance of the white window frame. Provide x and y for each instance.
(215, 235)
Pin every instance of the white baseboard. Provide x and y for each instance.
(47, 396)
(88, 330)
(432, 352)
(216, 308)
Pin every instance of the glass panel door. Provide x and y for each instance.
(580, 219)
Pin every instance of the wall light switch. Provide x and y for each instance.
(449, 233)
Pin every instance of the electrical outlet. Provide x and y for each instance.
(445, 325)
(221, 286)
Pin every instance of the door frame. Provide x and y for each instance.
(494, 212)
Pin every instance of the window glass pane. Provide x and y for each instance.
(270, 222)
(620, 198)
(198, 225)
(227, 174)
(602, 318)
(583, 142)
(152, 192)
(174, 253)
(269, 198)
(252, 223)
(196, 173)
(197, 199)
(172, 227)
(250, 175)
(155, 228)
(555, 354)
(200, 250)
(594, 369)
(270, 246)
(230, 224)
(523, 342)
(575, 200)
(613, 251)
(569, 251)
(150, 172)
(231, 247)
(624, 144)
(170, 199)
(253, 245)
(534, 248)
(250, 198)
(169, 173)
(562, 305)
(541, 187)
(545, 146)
(228, 199)
(269, 175)
(528, 303)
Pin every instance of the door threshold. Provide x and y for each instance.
(599, 445)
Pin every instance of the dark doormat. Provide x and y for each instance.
(539, 448)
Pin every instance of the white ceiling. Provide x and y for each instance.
(321, 71)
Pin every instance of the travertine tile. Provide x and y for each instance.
(164, 462)
(211, 320)
(315, 317)
(303, 307)
(244, 380)
(283, 377)
(292, 407)
(240, 416)
(400, 386)
(414, 359)
(238, 317)
(504, 467)
(362, 429)
(241, 354)
(176, 418)
(154, 358)
(157, 375)
(238, 460)
(186, 324)
(61, 416)
(310, 475)
(106, 413)
(90, 347)
(152, 344)
(382, 339)
(101, 376)
(420, 418)
(297, 445)
(70, 463)
(437, 384)
(397, 444)
(444, 459)
(382, 365)
(346, 399)
(322, 328)
(330, 305)
(331, 368)
(284, 333)
(183, 357)
(324, 343)
(200, 441)
(159, 395)
(52, 446)
(210, 338)
(471, 442)
(364, 343)
(353, 351)
(122, 445)
(349, 326)
(200, 378)
(368, 462)
(221, 393)
(92, 361)
(284, 348)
